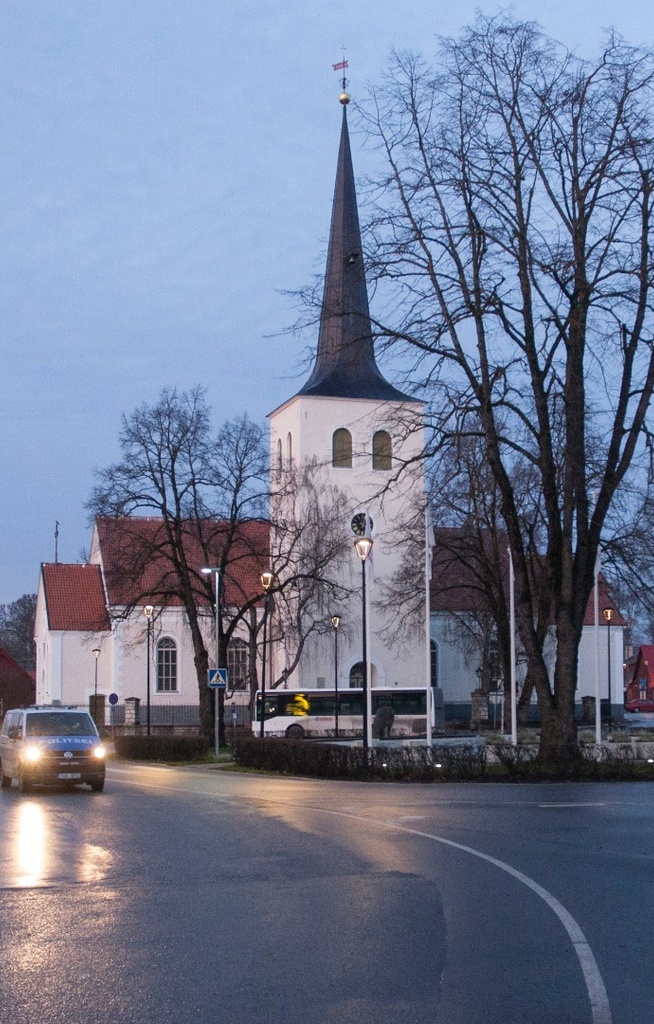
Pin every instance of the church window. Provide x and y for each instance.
(433, 651)
(289, 449)
(237, 664)
(382, 450)
(357, 675)
(166, 666)
(342, 449)
(279, 458)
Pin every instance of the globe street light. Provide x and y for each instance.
(363, 547)
(148, 611)
(336, 621)
(207, 570)
(608, 615)
(267, 579)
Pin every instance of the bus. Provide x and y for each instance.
(300, 713)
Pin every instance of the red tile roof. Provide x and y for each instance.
(457, 583)
(10, 667)
(16, 685)
(74, 597)
(604, 601)
(138, 559)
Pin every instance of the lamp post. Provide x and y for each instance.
(266, 582)
(363, 547)
(148, 611)
(608, 615)
(336, 621)
(96, 655)
(207, 570)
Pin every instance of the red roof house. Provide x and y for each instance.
(641, 681)
(16, 685)
(91, 632)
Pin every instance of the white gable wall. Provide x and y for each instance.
(457, 670)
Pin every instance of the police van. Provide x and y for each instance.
(50, 745)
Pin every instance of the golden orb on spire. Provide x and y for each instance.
(344, 98)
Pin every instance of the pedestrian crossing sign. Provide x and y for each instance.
(218, 678)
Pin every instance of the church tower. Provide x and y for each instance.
(351, 444)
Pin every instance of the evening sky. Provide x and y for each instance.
(167, 175)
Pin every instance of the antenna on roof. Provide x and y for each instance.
(56, 541)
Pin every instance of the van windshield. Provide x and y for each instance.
(60, 723)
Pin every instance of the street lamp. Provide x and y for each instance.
(336, 621)
(96, 654)
(267, 579)
(363, 547)
(207, 570)
(608, 615)
(148, 611)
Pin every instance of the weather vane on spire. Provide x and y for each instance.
(344, 98)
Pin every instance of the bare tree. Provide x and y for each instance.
(208, 494)
(628, 554)
(512, 240)
(17, 630)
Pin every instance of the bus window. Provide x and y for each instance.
(297, 704)
(350, 704)
(322, 704)
(272, 706)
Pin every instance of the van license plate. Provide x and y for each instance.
(69, 775)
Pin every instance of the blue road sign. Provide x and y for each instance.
(218, 678)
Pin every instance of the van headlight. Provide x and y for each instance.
(32, 754)
(99, 751)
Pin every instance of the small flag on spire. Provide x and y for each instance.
(341, 66)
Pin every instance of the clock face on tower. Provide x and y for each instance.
(359, 524)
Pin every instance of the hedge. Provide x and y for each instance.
(464, 762)
(340, 761)
(161, 748)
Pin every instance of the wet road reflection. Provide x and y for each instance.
(43, 842)
(30, 844)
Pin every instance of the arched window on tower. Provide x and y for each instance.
(342, 449)
(382, 450)
(166, 666)
(279, 466)
(289, 450)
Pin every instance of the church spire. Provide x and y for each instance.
(345, 364)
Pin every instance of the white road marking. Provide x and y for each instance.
(599, 803)
(599, 1003)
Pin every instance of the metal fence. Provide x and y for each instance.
(160, 714)
(133, 715)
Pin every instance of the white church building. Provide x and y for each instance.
(361, 441)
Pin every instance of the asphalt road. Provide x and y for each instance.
(193, 895)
